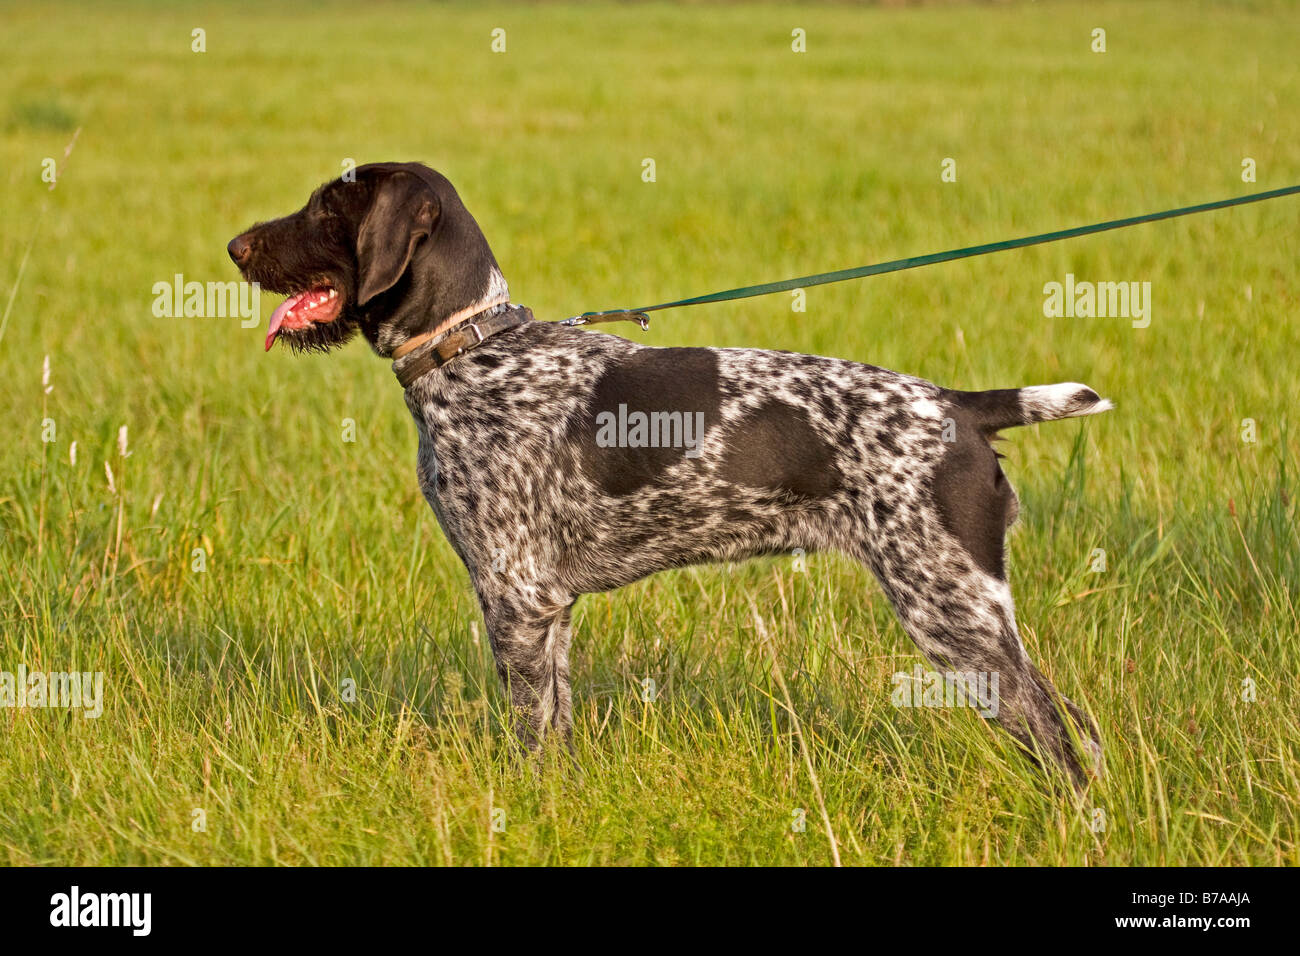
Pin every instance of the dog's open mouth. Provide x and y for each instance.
(303, 310)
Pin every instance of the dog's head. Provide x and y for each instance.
(390, 252)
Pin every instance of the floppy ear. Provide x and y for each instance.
(402, 212)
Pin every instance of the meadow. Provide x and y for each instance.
(294, 669)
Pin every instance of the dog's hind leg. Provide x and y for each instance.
(530, 643)
(964, 622)
(940, 559)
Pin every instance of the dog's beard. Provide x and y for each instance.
(324, 337)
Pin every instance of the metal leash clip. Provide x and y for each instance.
(612, 315)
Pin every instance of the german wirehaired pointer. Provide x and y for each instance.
(562, 462)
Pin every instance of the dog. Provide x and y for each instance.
(562, 462)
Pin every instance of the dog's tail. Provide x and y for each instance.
(1009, 407)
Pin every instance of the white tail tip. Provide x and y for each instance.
(1046, 403)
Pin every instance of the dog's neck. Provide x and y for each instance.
(494, 299)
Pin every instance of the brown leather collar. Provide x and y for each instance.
(429, 356)
(447, 324)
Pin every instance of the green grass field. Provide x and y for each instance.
(225, 690)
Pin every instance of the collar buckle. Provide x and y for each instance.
(478, 338)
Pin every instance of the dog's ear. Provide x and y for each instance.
(402, 211)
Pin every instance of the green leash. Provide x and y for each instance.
(897, 265)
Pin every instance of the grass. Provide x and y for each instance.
(225, 689)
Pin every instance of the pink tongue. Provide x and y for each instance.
(277, 317)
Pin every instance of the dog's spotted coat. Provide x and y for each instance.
(798, 451)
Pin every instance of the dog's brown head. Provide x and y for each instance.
(391, 252)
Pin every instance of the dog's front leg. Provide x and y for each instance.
(529, 632)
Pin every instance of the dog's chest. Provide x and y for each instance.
(426, 472)
(490, 449)
(463, 469)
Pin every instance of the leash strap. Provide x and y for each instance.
(897, 265)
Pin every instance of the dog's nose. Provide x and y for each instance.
(239, 250)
